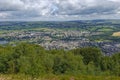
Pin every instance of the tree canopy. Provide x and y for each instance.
(34, 60)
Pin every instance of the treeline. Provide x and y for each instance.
(34, 60)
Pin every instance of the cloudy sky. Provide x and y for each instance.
(59, 9)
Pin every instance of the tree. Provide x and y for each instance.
(89, 54)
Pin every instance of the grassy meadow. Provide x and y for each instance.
(57, 77)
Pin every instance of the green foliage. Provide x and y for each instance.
(116, 63)
(34, 60)
(67, 62)
(89, 54)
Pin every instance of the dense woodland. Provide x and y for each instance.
(34, 60)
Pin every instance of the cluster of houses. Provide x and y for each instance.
(61, 39)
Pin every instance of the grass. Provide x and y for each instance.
(57, 77)
(105, 29)
(116, 34)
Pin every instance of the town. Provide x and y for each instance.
(65, 35)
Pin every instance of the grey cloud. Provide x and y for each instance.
(11, 5)
(57, 8)
(99, 7)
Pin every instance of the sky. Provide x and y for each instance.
(61, 10)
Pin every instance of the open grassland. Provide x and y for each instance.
(116, 34)
(58, 77)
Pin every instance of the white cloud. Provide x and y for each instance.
(4, 15)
